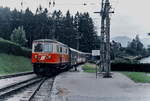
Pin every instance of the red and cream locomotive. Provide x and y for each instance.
(51, 56)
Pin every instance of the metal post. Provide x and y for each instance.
(102, 47)
(107, 32)
(105, 38)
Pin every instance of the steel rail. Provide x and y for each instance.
(31, 98)
(35, 91)
(10, 89)
(15, 75)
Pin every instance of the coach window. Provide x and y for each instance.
(66, 50)
(60, 49)
(57, 49)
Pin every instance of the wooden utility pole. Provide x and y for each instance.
(105, 37)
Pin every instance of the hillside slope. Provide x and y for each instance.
(14, 58)
(9, 47)
(14, 64)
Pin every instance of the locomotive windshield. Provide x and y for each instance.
(42, 47)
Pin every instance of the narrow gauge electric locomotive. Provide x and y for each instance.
(51, 56)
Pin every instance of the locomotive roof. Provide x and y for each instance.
(49, 40)
(54, 41)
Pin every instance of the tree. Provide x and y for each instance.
(18, 36)
(5, 24)
(87, 31)
(67, 29)
(116, 49)
(135, 47)
(57, 25)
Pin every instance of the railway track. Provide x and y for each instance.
(29, 88)
(15, 75)
(42, 92)
(33, 89)
(14, 87)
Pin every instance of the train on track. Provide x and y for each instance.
(50, 57)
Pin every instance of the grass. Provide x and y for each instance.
(14, 64)
(139, 77)
(90, 68)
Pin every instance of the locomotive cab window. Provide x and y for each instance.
(47, 48)
(42, 47)
(38, 47)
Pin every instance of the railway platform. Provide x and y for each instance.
(81, 86)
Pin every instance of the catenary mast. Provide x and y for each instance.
(105, 37)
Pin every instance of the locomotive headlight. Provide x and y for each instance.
(49, 57)
(35, 56)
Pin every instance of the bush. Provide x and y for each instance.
(26, 52)
(13, 48)
(125, 61)
(130, 67)
(19, 36)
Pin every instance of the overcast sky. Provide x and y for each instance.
(131, 16)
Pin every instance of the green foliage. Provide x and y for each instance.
(138, 76)
(116, 50)
(13, 48)
(14, 64)
(148, 49)
(18, 36)
(67, 29)
(5, 23)
(130, 54)
(87, 32)
(136, 47)
(125, 61)
(88, 67)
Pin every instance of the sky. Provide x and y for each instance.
(131, 17)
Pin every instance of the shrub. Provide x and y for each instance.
(13, 48)
(19, 36)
